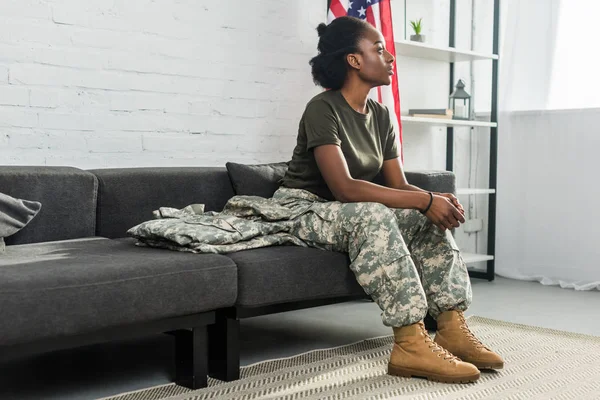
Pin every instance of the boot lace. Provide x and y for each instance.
(436, 348)
(465, 328)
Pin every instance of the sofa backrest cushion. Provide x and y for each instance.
(431, 180)
(256, 180)
(67, 195)
(435, 181)
(127, 196)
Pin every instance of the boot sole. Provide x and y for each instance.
(480, 365)
(409, 373)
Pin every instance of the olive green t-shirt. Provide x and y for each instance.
(366, 140)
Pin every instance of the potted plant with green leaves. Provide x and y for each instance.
(417, 26)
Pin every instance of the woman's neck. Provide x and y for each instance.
(356, 94)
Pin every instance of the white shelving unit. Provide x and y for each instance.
(471, 258)
(447, 122)
(467, 191)
(445, 54)
(451, 55)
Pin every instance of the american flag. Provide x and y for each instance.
(379, 14)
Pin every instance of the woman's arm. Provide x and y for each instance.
(395, 178)
(334, 169)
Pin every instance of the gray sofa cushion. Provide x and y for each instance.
(70, 287)
(256, 180)
(281, 274)
(127, 196)
(435, 181)
(15, 214)
(264, 179)
(68, 196)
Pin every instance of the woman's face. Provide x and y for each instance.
(374, 63)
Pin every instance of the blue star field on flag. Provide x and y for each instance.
(358, 8)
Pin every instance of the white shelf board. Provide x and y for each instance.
(475, 191)
(446, 122)
(471, 258)
(447, 54)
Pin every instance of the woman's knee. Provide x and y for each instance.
(411, 217)
(374, 208)
(367, 213)
(378, 212)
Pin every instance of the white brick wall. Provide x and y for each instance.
(97, 84)
(125, 83)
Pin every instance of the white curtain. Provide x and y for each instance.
(548, 209)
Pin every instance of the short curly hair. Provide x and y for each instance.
(336, 41)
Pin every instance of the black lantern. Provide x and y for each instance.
(460, 102)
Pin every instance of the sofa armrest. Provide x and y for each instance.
(434, 181)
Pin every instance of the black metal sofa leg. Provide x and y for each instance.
(224, 349)
(191, 357)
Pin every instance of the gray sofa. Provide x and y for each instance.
(72, 277)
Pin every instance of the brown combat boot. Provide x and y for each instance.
(415, 354)
(454, 334)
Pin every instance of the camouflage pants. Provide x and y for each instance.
(404, 262)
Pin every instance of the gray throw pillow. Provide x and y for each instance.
(15, 214)
(256, 180)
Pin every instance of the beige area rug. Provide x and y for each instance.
(540, 364)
